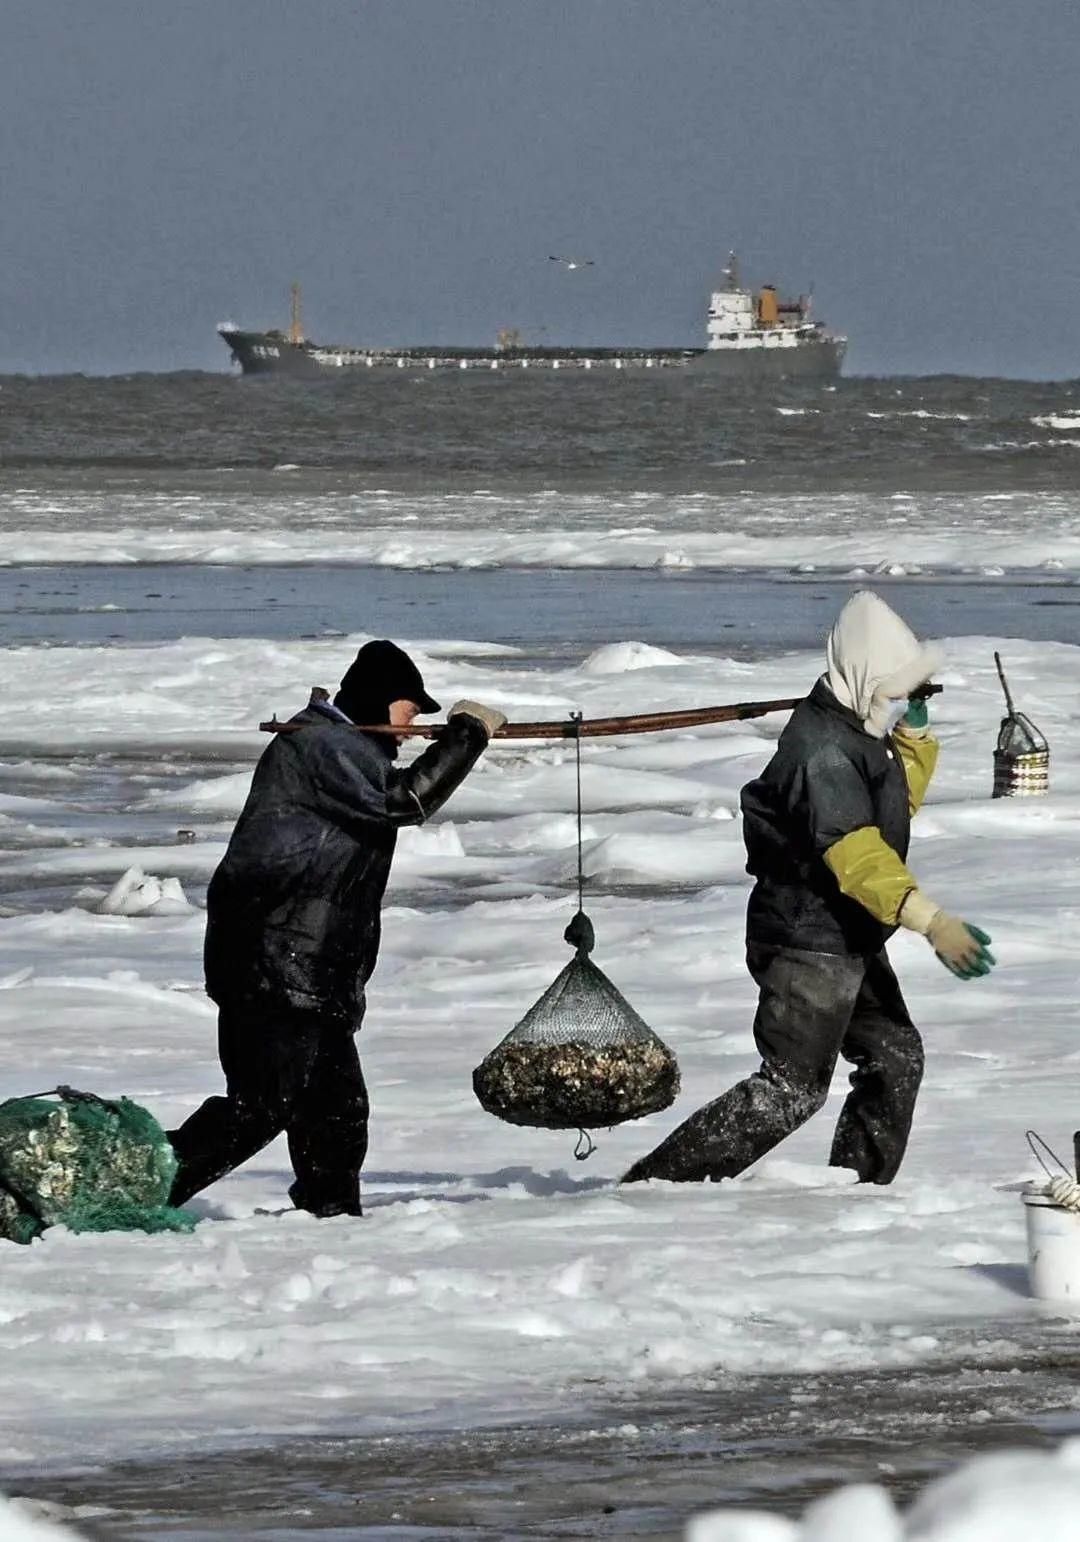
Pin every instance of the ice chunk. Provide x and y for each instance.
(136, 893)
(618, 658)
(741, 1526)
(440, 840)
(25, 1520)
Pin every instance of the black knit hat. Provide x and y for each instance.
(381, 673)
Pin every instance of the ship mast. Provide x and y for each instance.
(731, 272)
(296, 329)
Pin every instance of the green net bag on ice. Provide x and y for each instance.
(92, 1164)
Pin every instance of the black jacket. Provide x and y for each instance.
(293, 909)
(827, 778)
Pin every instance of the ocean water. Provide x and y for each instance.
(548, 614)
(676, 432)
(676, 473)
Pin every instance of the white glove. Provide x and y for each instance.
(490, 717)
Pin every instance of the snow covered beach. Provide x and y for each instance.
(492, 1277)
(505, 1321)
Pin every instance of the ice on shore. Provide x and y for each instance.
(136, 893)
(955, 532)
(24, 1520)
(1008, 1496)
(491, 1273)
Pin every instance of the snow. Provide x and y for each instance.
(23, 1521)
(617, 658)
(137, 894)
(492, 1276)
(961, 532)
(999, 1498)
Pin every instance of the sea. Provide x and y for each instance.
(513, 485)
(547, 515)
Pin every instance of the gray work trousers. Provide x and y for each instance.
(812, 1008)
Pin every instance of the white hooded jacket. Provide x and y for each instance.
(873, 658)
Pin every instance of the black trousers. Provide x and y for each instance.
(295, 1072)
(812, 1008)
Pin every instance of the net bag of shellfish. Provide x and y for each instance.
(581, 1057)
(70, 1158)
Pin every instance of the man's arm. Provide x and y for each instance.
(917, 749)
(869, 871)
(421, 789)
(835, 802)
(354, 784)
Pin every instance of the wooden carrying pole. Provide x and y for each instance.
(588, 728)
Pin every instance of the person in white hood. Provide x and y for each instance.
(827, 826)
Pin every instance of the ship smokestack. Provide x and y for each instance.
(296, 328)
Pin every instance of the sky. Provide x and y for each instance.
(413, 163)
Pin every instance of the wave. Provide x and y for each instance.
(923, 412)
(1055, 420)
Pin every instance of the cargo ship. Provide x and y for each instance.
(749, 336)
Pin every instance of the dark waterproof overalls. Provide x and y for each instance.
(293, 926)
(818, 958)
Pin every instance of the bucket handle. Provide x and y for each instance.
(1035, 1140)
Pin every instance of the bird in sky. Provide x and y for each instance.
(570, 263)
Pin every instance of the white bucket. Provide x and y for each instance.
(1053, 1237)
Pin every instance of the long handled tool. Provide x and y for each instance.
(587, 728)
(595, 727)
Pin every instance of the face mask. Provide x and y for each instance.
(895, 712)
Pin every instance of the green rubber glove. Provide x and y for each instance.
(962, 948)
(917, 715)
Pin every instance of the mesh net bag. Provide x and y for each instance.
(581, 1057)
(74, 1159)
(1021, 755)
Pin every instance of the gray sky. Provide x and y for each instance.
(165, 164)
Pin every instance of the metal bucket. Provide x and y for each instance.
(1053, 1239)
(1021, 776)
(1021, 755)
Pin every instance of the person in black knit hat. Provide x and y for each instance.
(293, 927)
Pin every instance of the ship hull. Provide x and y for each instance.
(261, 353)
(819, 360)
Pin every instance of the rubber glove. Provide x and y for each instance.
(917, 717)
(961, 947)
(491, 718)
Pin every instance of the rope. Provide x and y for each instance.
(1065, 1192)
(582, 933)
(575, 718)
(1061, 1187)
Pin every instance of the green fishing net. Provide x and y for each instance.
(88, 1163)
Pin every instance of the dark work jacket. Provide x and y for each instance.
(827, 778)
(293, 918)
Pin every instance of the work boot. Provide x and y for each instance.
(333, 1197)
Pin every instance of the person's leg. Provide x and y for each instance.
(885, 1048)
(803, 1012)
(328, 1129)
(266, 1061)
